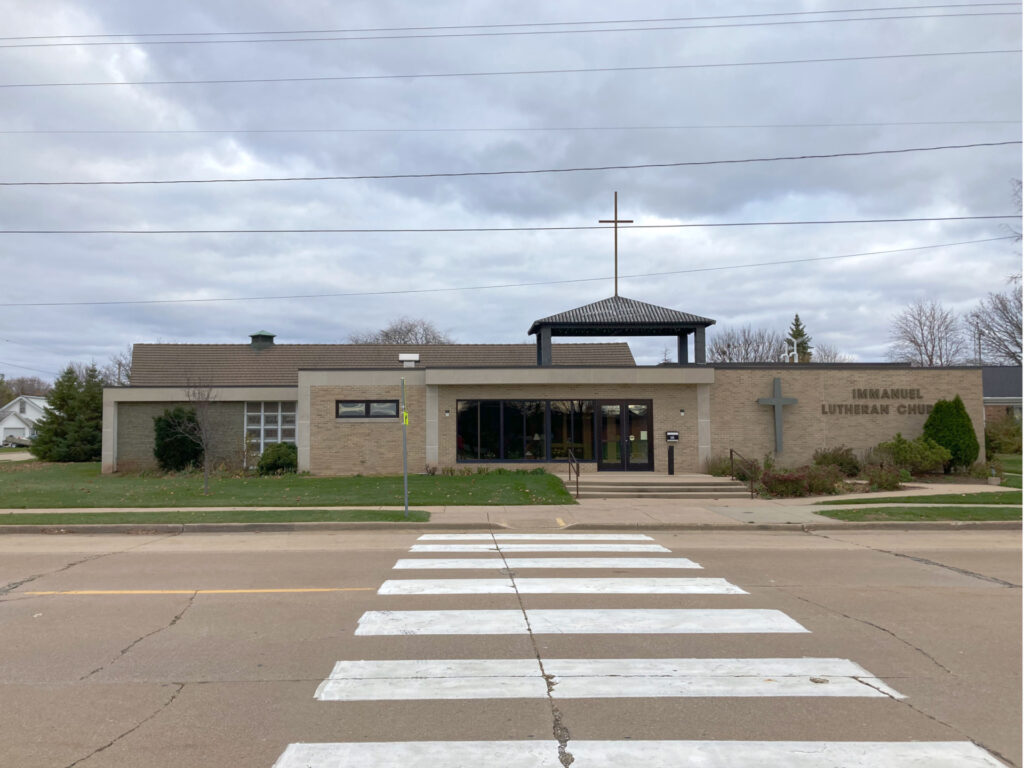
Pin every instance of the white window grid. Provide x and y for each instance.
(269, 422)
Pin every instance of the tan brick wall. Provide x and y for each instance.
(364, 446)
(738, 422)
(135, 434)
(667, 401)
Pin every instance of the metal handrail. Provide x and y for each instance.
(574, 465)
(750, 465)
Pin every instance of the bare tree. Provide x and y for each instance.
(829, 353)
(746, 345)
(28, 385)
(926, 334)
(404, 330)
(118, 371)
(994, 325)
(197, 424)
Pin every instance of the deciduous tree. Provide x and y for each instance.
(745, 345)
(926, 334)
(404, 330)
(995, 325)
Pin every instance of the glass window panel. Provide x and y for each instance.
(271, 407)
(490, 429)
(513, 443)
(536, 434)
(252, 420)
(288, 407)
(350, 409)
(611, 433)
(288, 435)
(384, 409)
(252, 407)
(467, 430)
(583, 430)
(270, 419)
(561, 429)
(288, 419)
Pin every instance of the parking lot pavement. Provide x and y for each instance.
(365, 648)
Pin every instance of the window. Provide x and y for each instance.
(524, 430)
(366, 409)
(269, 422)
(21, 407)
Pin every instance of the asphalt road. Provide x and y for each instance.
(208, 650)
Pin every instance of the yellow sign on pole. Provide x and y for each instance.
(405, 418)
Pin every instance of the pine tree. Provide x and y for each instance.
(798, 334)
(950, 426)
(71, 428)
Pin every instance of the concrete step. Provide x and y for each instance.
(660, 486)
(663, 495)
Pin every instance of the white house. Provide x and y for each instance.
(18, 418)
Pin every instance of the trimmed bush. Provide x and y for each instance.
(173, 448)
(278, 458)
(883, 478)
(1002, 436)
(950, 426)
(842, 458)
(917, 456)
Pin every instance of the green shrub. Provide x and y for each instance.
(173, 448)
(917, 456)
(278, 459)
(718, 466)
(841, 458)
(785, 484)
(824, 479)
(950, 426)
(1002, 436)
(883, 478)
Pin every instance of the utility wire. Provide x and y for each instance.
(460, 174)
(26, 368)
(366, 230)
(507, 25)
(511, 73)
(503, 285)
(515, 129)
(510, 33)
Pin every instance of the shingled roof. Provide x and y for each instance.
(226, 365)
(620, 313)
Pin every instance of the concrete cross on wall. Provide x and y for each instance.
(777, 401)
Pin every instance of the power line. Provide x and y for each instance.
(524, 129)
(367, 230)
(460, 174)
(510, 73)
(503, 285)
(508, 25)
(26, 368)
(509, 33)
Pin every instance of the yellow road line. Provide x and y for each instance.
(560, 522)
(199, 591)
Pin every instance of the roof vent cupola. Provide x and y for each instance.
(262, 339)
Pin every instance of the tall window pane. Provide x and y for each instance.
(513, 444)
(561, 429)
(490, 429)
(583, 429)
(536, 434)
(467, 430)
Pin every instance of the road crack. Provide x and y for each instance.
(558, 727)
(158, 630)
(180, 687)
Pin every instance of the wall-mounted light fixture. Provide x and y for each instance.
(447, 412)
(682, 411)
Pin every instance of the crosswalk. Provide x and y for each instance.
(559, 679)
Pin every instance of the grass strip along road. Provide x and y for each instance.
(920, 514)
(41, 485)
(184, 516)
(990, 497)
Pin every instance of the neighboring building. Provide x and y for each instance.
(523, 405)
(1001, 386)
(18, 418)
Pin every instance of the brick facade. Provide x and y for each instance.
(135, 434)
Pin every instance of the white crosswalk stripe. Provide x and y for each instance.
(492, 547)
(608, 586)
(577, 621)
(597, 678)
(535, 537)
(517, 563)
(649, 754)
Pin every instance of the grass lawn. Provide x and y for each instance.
(921, 513)
(990, 497)
(1010, 462)
(13, 450)
(39, 484)
(223, 516)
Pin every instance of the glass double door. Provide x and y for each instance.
(625, 435)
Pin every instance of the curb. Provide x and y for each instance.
(140, 529)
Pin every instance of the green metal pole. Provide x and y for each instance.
(405, 451)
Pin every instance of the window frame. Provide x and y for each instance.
(548, 458)
(366, 414)
(284, 408)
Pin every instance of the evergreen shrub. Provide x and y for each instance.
(883, 478)
(173, 448)
(917, 456)
(71, 428)
(278, 459)
(950, 426)
(842, 458)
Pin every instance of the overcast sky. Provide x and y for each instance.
(847, 302)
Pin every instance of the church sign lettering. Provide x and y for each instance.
(901, 401)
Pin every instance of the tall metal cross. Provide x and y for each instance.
(616, 221)
(777, 401)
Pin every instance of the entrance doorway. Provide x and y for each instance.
(625, 435)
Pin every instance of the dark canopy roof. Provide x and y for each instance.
(619, 316)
